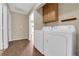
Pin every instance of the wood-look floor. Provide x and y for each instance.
(21, 48)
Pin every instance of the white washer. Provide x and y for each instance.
(60, 41)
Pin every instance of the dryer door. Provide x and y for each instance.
(54, 44)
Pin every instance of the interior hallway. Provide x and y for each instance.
(21, 48)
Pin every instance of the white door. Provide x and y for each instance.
(31, 26)
(1, 41)
(5, 27)
(54, 44)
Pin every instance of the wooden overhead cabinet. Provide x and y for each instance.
(50, 12)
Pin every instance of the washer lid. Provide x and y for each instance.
(47, 28)
(64, 28)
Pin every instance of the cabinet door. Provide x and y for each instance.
(50, 12)
(54, 44)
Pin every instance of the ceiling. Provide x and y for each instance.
(23, 8)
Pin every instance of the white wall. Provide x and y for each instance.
(38, 19)
(67, 11)
(9, 24)
(19, 26)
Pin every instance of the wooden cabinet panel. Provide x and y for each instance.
(50, 12)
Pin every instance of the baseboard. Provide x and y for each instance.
(19, 39)
(38, 50)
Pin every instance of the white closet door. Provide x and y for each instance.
(1, 45)
(5, 26)
(31, 26)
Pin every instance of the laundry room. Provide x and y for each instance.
(64, 15)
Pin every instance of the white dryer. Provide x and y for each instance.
(60, 41)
